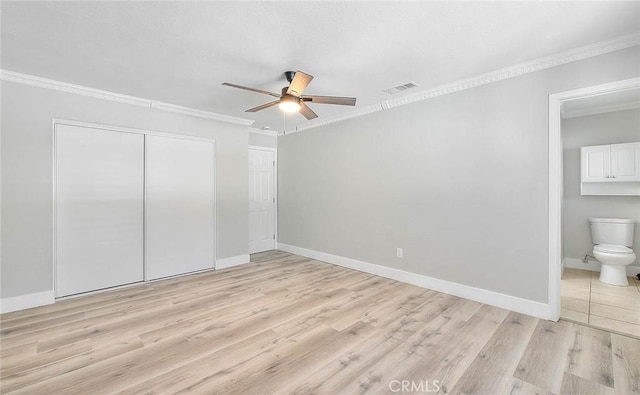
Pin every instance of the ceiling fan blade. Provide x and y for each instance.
(262, 107)
(344, 101)
(251, 89)
(307, 112)
(299, 83)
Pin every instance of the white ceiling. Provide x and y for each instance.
(180, 53)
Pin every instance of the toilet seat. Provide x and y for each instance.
(612, 249)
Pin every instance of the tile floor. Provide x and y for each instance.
(588, 301)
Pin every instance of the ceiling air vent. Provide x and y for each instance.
(401, 88)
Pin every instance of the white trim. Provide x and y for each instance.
(525, 306)
(232, 261)
(555, 178)
(555, 208)
(575, 263)
(594, 266)
(359, 112)
(31, 80)
(28, 301)
(600, 110)
(558, 59)
(54, 194)
(272, 133)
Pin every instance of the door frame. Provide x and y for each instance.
(275, 191)
(556, 179)
(69, 122)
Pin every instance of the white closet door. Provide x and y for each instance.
(99, 208)
(180, 212)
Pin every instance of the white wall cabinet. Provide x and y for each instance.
(130, 206)
(612, 169)
(625, 162)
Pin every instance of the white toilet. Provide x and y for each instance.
(613, 237)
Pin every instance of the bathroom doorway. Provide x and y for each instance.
(602, 114)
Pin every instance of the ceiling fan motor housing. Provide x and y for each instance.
(289, 75)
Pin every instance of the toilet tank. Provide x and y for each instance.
(617, 231)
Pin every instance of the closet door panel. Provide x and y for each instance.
(180, 211)
(99, 209)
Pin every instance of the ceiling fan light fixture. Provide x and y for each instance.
(289, 104)
(291, 99)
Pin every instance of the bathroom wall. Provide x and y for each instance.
(609, 128)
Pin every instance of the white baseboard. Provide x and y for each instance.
(22, 302)
(232, 261)
(594, 266)
(524, 306)
(28, 301)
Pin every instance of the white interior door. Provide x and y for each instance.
(99, 209)
(261, 201)
(180, 206)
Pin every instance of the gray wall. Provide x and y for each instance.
(261, 140)
(27, 223)
(611, 128)
(459, 181)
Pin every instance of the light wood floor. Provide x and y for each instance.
(586, 300)
(286, 324)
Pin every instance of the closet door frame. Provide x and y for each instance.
(62, 121)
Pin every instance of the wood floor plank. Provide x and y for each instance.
(544, 360)
(626, 364)
(519, 387)
(289, 324)
(577, 385)
(491, 371)
(590, 356)
(447, 361)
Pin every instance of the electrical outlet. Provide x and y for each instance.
(399, 252)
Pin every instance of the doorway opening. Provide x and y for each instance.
(560, 106)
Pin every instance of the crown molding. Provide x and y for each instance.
(30, 80)
(517, 70)
(342, 117)
(200, 113)
(600, 110)
(263, 131)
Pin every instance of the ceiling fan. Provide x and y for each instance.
(291, 99)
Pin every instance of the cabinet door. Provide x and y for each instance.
(625, 162)
(596, 163)
(180, 211)
(99, 208)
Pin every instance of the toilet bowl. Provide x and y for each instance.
(614, 260)
(612, 238)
